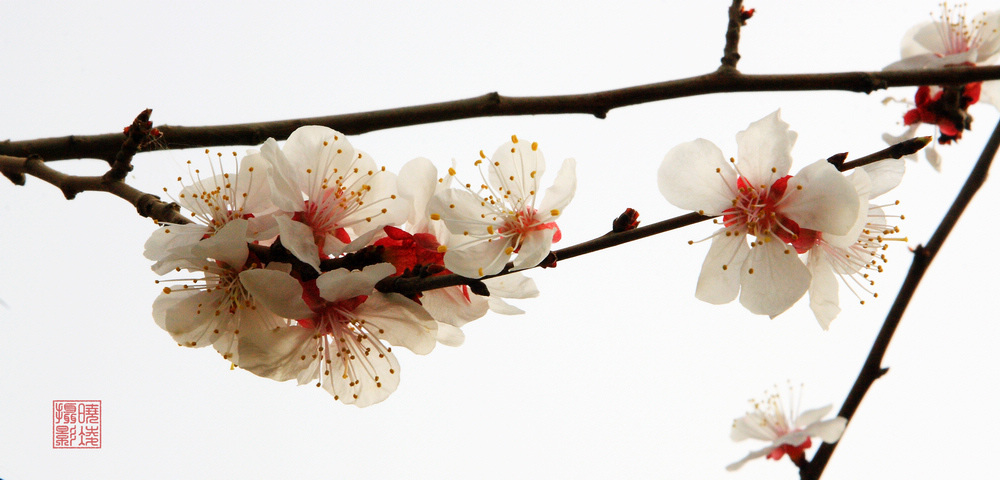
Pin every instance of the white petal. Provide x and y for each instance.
(486, 258)
(752, 425)
(374, 379)
(168, 237)
(562, 190)
(321, 150)
(824, 296)
(990, 93)
(283, 178)
(535, 246)
(454, 305)
(829, 430)
(778, 280)
(382, 188)
(914, 62)
(336, 247)
(277, 291)
(450, 335)
(812, 416)
(167, 301)
(885, 175)
(462, 211)
(719, 281)
(277, 353)
(342, 284)
(503, 308)
(990, 47)
(417, 182)
(795, 438)
(228, 245)
(515, 285)
(299, 239)
(910, 132)
(400, 320)
(826, 201)
(765, 150)
(696, 176)
(252, 181)
(862, 184)
(516, 167)
(196, 321)
(926, 36)
(750, 456)
(933, 157)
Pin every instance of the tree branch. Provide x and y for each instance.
(136, 136)
(146, 204)
(106, 146)
(899, 150)
(923, 255)
(730, 52)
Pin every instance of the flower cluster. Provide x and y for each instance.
(818, 211)
(951, 40)
(283, 258)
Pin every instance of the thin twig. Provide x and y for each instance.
(598, 104)
(135, 135)
(730, 52)
(146, 204)
(922, 257)
(899, 150)
(411, 285)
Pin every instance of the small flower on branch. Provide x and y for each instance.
(500, 217)
(756, 197)
(773, 420)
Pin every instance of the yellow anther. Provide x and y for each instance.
(554, 212)
(435, 216)
(513, 138)
(534, 145)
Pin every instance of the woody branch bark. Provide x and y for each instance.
(493, 104)
(730, 53)
(148, 205)
(922, 257)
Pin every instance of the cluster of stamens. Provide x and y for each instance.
(512, 204)
(341, 334)
(332, 206)
(215, 200)
(864, 258)
(956, 31)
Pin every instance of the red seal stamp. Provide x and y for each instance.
(76, 424)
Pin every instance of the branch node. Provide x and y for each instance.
(737, 18)
(479, 288)
(837, 160)
(17, 178)
(137, 135)
(882, 371)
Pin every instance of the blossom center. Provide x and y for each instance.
(758, 210)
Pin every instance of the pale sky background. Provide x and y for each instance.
(616, 371)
